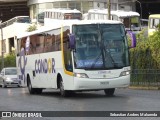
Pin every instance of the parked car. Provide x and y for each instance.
(8, 77)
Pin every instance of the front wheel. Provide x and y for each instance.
(109, 92)
(63, 92)
(4, 85)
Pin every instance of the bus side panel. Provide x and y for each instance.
(46, 66)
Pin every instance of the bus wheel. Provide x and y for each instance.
(4, 85)
(29, 85)
(109, 92)
(63, 92)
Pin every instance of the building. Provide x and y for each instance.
(37, 6)
(12, 8)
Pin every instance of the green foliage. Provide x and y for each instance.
(146, 54)
(145, 59)
(31, 28)
(9, 61)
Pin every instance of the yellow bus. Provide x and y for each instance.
(154, 20)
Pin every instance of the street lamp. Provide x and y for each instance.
(140, 7)
(2, 65)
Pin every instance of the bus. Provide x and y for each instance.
(130, 19)
(58, 14)
(10, 29)
(79, 56)
(17, 19)
(154, 21)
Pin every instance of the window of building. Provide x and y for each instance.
(56, 5)
(85, 6)
(63, 4)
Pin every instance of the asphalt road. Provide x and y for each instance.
(18, 99)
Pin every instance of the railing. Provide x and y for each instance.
(145, 77)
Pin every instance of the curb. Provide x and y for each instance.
(144, 88)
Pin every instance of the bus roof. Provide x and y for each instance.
(63, 10)
(125, 13)
(15, 18)
(104, 11)
(119, 13)
(154, 15)
(67, 23)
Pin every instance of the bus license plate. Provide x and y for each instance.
(104, 83)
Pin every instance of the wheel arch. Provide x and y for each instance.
(59, 77)
(28, 78)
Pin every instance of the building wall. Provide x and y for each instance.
(37, 6)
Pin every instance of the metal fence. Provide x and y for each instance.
(145, 77)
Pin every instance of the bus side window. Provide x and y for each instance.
(58, 42)
(33, 40)
(23, 43)
(67, 52)
(48, 44)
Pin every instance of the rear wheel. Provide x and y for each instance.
(109, 92)
(29, 85)
(33, 90)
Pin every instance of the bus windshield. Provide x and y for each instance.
(100, 46)
(132, 23)
(23, 20)
(73, 16)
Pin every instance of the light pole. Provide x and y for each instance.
(140, 7)
(2, 65)
(109, 9)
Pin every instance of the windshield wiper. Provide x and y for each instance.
(95, 61)
(111, 58)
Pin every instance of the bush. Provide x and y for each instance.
(9, 61)
(146, 54)
(145, 60)
(31, 28)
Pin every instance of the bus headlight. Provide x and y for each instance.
(124, 73)
(81, 75)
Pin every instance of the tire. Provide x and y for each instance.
(109, 92)
(29, 85)
(4, 86)
(64, 93)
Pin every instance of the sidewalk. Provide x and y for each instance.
(144, 87)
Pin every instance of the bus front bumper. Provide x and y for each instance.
(100, 84)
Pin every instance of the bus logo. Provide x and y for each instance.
(45, 65)
(22, 63)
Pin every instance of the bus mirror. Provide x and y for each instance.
(133, 39)
(72, 41)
